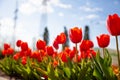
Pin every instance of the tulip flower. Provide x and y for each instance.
(64, 57)
(103, 40)
(86, 45)
(55, 63)
(50, 50)
(55, 44)
(6, 46)
(24, 60)
(7, 50)
(18, 43)
(24, 46)
(10, 51)
(40, 45)
(75, 34)
(113, 24)
(61, 38)
(4, 52)
(16, 56)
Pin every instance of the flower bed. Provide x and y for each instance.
(79, 63)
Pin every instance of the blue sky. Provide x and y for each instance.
(60, 13)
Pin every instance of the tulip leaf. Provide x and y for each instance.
(67, 71)
(97, 74)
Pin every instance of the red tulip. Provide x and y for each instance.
(4, 52)
(55, 63)
(113, 24)
(28, 52)
(86, 45)
(55, 44)
(10, 51)
(103, 40)
(64, 57)
(40, 44)
(93, 53)
(24, 60)
(67, 50)
(79, 58)
(24, 46)
(42, 53)
(35, 54)
(18, 43)
(16, 56)
(49, 50)
(90, 53)
(22, 53)
(75, 34)
(6, 46)
(39, 58)
(61, 38)
(72, 54)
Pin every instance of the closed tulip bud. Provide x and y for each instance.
(75, 34)
(18, 43)
(6, 46)
(24, 46)
(50, 50)
(113, 24)
(40, 45)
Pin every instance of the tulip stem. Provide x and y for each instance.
(103, 53)
(118, 52)
(76, 53)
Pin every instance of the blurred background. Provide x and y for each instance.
(30, 20)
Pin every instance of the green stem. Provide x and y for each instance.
(103, 53)
(76, 53)
(118, 52)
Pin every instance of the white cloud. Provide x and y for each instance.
(54, 2)
(45, 9)
(7, 26)
(36, 2)
(27, 8)
(90, 9)
(33, 6)
(19, 28)
(65, 6)
(90, 17)
(6, 22)
(61, 14)
(59, 4)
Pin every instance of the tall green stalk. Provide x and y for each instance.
(104, 52)
(118, 53)
(76, 53)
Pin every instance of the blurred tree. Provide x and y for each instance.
(46, 35)
(86, 33)
(67, 39)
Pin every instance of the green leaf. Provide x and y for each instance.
(97, 74)
(67, 71)
(50, 71)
